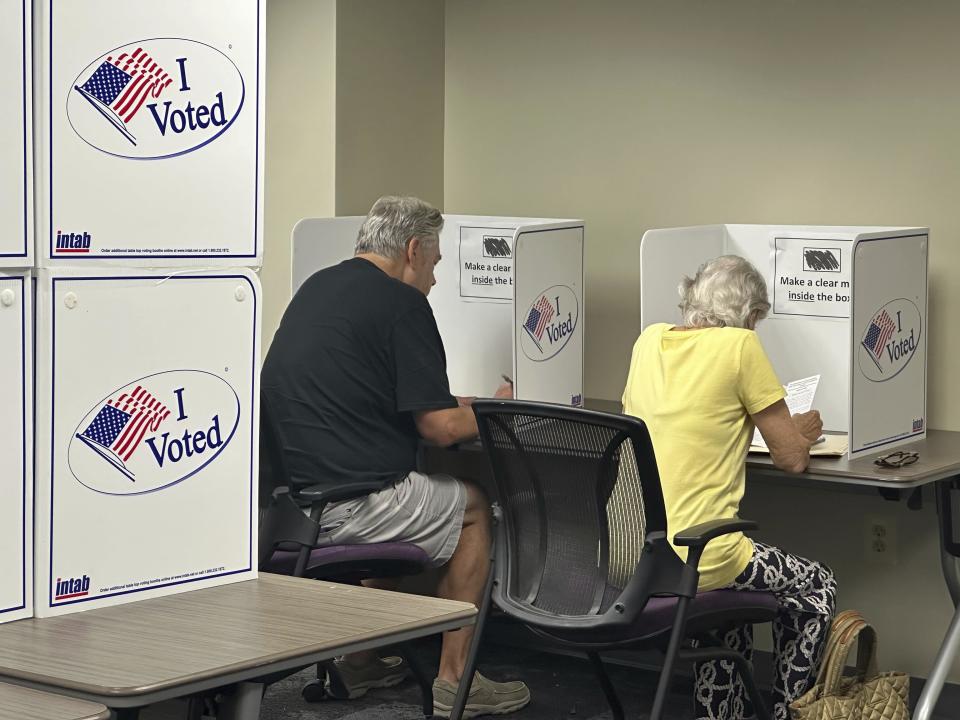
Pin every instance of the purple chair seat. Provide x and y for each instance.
(733, 605)
(708, 612)
(394, 559)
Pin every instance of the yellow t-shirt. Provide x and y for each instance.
(696, 390)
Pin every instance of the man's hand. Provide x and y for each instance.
(465, 401)
(504, 392)
(809, 424)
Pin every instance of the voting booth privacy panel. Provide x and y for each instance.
(508, 299)
(16, 445)
(16, 137)
(847, 303)
(146, 429)
(148, 160)
(149, 120)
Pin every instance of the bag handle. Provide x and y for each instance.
(840, 624)
(859, 631)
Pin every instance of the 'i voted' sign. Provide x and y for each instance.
(154, 432)
(890, 340)
(549, 323)
(155, 98)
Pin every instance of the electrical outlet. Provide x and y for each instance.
(880, 539)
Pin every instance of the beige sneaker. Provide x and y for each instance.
(486, 697)
(349, 682)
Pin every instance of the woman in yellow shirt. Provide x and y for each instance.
(701, 388)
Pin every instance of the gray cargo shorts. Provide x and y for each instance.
(426, 510)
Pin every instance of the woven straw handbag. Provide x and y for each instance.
(867, 695)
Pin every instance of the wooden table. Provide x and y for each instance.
(939, 460)
(20, 703)
(137, 654)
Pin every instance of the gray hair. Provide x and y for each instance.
(726, 292)
(392, 221)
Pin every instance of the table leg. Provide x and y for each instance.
(949, 550)
(243, 702)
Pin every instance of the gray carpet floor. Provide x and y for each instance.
(561, 687)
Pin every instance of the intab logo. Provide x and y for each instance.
(549, 323)
(154, 432)
(72, 588)
(156, 98)
(72, 242)
(890, 340)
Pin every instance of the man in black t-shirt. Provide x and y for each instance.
(355, 377)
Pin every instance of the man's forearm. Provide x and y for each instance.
(447, 426)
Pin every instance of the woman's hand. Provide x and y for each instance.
(789, 445)
(809, 424)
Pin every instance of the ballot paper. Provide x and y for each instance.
(800, 394)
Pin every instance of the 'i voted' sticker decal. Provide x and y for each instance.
(549, 323)
(154, 432)
(890, 340)
(156, 98)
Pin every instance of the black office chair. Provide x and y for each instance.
(289, 541)
(582, 555)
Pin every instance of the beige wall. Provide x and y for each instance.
(300, 152)
(354, 111)
(389, 101)
(641, 114)
(635, 114)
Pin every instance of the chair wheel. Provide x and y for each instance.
(313, 691)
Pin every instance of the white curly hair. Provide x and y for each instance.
(727, 291)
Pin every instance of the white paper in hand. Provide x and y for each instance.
(800, 394)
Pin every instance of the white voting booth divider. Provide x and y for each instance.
(150, 132)
(16, 446)
(16, 314)
(147, 417)
(508, 298)
(16, 137)
(149, 192)
(847, 303)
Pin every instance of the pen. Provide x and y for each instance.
(506, 379)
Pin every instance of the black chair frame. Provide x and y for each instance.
(284, 525)
(660, 572)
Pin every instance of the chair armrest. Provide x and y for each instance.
(700, 535)
(320, 495)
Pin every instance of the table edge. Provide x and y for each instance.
(54, 685)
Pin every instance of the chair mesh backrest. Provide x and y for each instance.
(576, 504)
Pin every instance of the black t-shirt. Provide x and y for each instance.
(357, 352)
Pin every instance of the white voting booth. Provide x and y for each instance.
(147, 387)
(16, 446)
(16, 136)
(150, 132)
(847, 303)
(508, 299)
(16, 314)
(149, 179)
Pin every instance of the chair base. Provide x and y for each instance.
(314, 691)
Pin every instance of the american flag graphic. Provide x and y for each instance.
(123, 84)
(120, 425)
(538, 317)
(880, 330)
